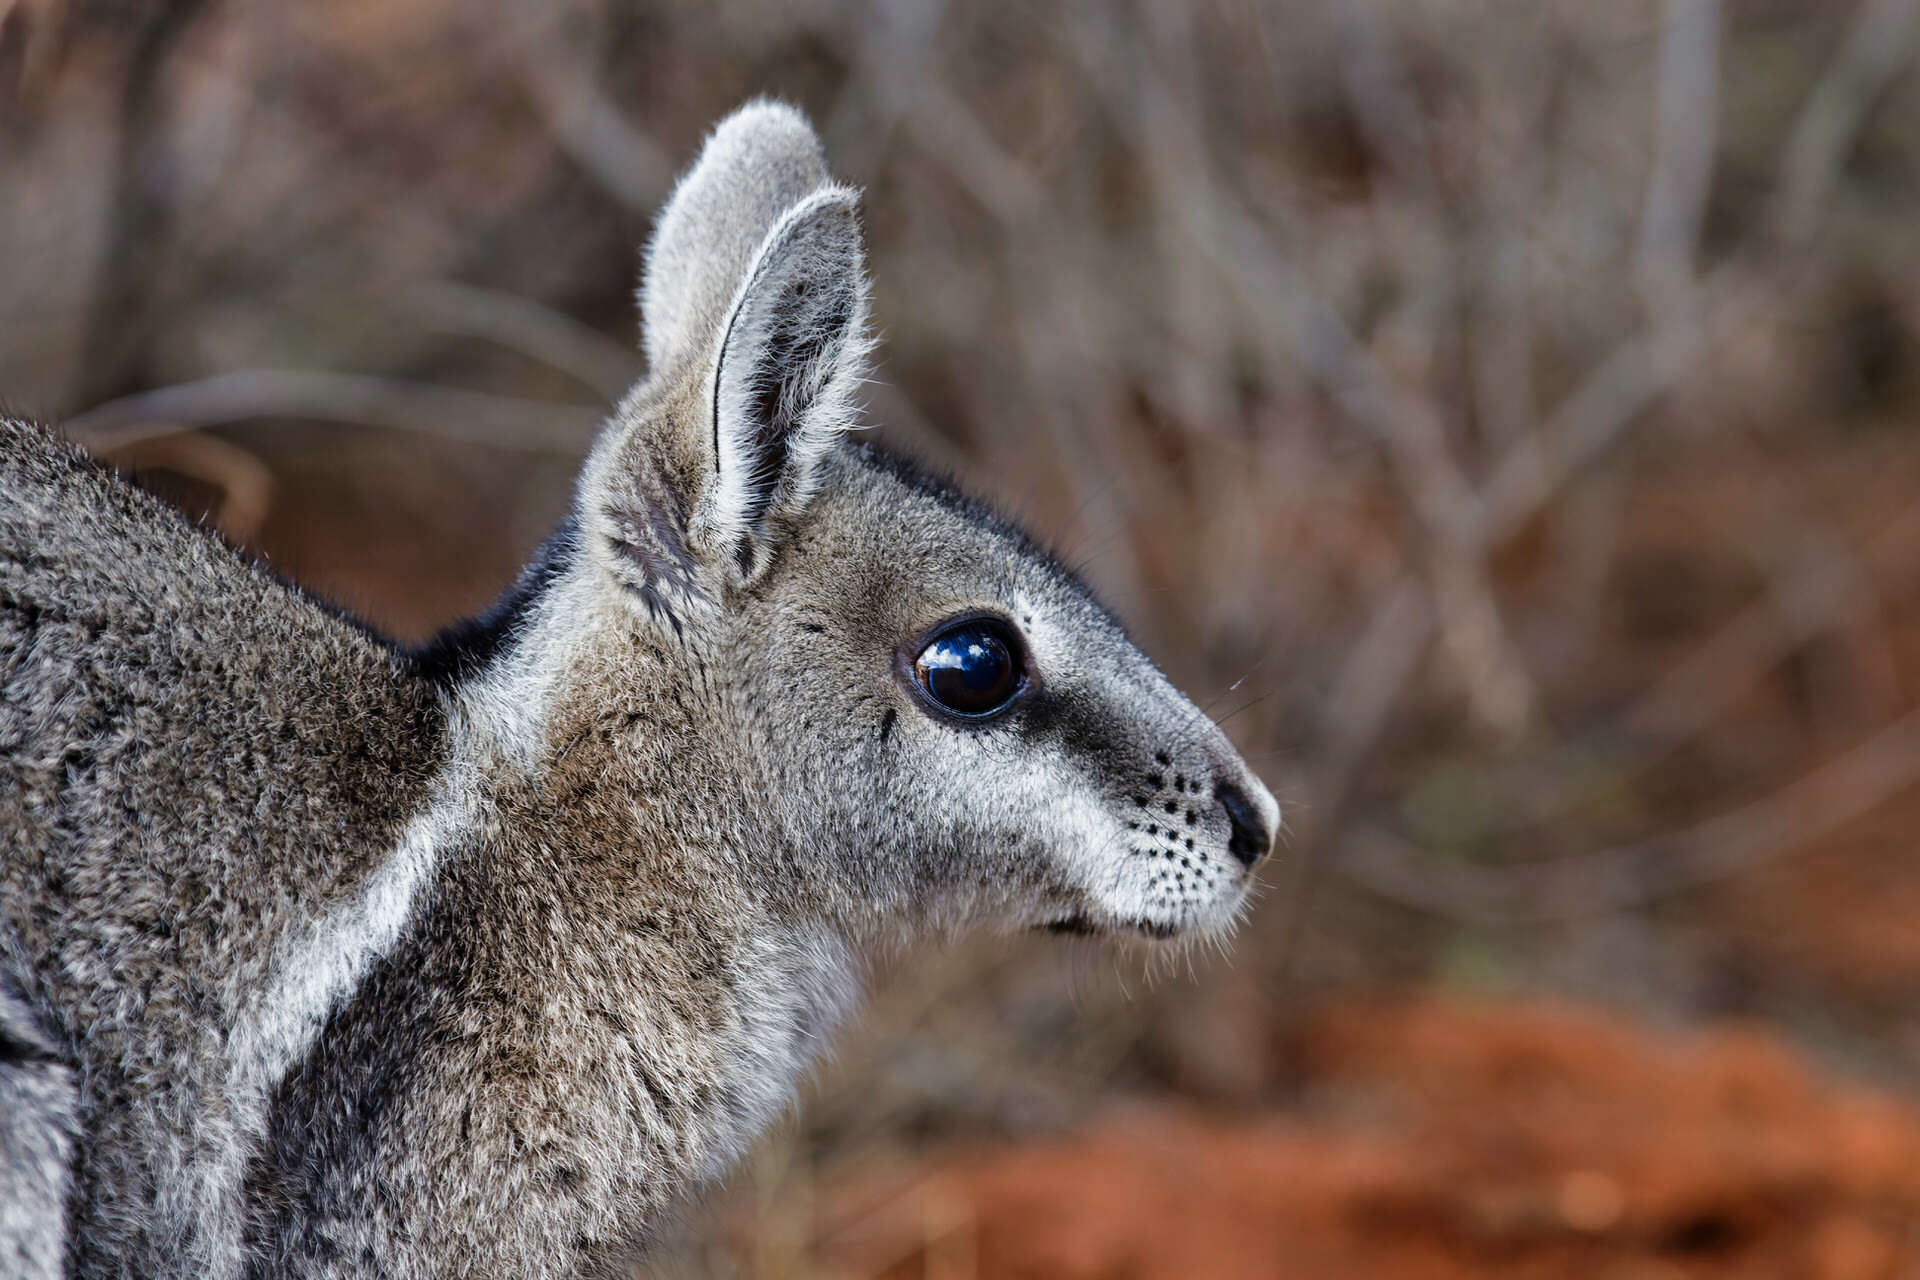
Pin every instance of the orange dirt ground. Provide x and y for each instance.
(1437, 1139)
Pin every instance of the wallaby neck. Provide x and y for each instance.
(621, 853)
(593, 1008)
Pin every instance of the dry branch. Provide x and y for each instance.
(475, 417)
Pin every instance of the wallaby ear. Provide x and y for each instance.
(756, 165)
(755, 303)
(786, 369)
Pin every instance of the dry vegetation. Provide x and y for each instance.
(1505, 414)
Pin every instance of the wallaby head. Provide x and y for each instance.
(930, 721)
(321, 957)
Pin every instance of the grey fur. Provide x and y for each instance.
(318, 957)
(38, 1120)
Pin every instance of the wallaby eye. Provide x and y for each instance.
(971, 667)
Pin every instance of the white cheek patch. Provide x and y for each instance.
(1129, 877)
(1086, 837)
(1128, 881)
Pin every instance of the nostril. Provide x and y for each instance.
(1249, 841)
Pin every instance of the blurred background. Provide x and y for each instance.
(1504, 417)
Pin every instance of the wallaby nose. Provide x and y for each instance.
(1251, 837)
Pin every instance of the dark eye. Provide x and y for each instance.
(971, 668)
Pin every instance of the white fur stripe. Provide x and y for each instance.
(326, 962)
(308, 976)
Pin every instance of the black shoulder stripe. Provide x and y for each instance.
(466, 648)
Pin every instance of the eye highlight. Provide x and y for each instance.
(971, 667)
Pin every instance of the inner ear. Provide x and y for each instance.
(804, 328)
(790, 359)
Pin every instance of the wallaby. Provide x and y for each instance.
(323, 956)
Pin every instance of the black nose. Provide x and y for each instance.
(1250, 841)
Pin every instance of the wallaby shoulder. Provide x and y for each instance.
(196, 763)
(153, 680)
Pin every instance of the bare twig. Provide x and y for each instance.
(1502, 342)
(892, 54)
(1822, 588)
(1676, 198)
(1645, 366)
(1471, 628)
(891, 57)
(1173, 147)
(1632, 875)
(1798, 605)
(1613, 396)
(121, 308)
(472, 416)
(245, 483)
(1874, 52)
(1383, 102)
(584, 119)
(523, 325)
(1357, 710)
(1279, 296)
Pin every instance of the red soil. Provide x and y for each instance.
(1439, 1140)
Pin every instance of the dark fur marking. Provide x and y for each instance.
(661, 1102)
(652, 539)
(659, 608)
(465, 649)
(21, 1039)
(326, 1121)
